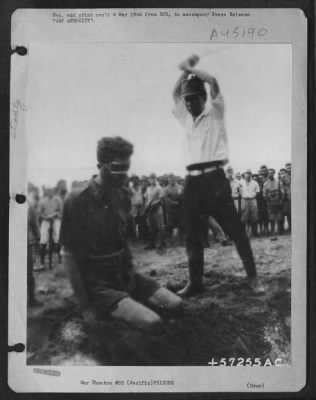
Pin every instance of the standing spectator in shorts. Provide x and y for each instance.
(249, 207)
(50, 209)
(143, 227)
(154, 214)
(272, 194)
(137, 206)
(235, 185)
(173, 204)
(61, 192)
(285, 188)
(263, 221)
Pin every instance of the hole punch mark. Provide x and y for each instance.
(19, 348)
(20, 198)
(20, 50)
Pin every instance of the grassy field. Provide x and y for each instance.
(226, 320)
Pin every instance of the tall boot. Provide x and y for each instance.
(196, 267)
(253, 281)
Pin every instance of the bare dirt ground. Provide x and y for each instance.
(226, 320)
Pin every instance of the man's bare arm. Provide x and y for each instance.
(185, 67)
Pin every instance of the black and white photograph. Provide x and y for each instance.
(159, 228)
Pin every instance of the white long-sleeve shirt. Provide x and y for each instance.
(206, 138)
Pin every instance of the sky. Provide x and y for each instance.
(79, 93)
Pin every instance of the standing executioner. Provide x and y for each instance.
(95, 250)
(207, 190)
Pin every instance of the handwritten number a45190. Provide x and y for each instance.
(238, 33)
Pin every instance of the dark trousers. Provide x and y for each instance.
(155, 221)
(210, 194)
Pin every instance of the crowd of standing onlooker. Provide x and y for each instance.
(263, 201)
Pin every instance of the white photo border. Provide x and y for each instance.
(34, 26)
